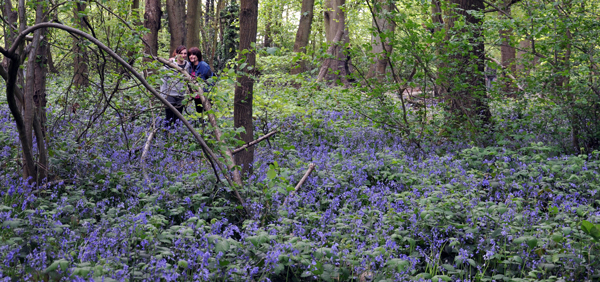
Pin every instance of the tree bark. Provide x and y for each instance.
(329, 20)
(303, 33)
(465, 93)
(242, 109)
(192, 38)
(39, 99)
(135, 10)
(152, 23)
(51, 66)
(218, 31)
(177, 19)
(10, 31)
(34, 103)
(80, 57)
(507, 52)
(267, 39)
(335, 67)
(382, 50)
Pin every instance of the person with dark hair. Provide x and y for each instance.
(173, 87)
(199, 69)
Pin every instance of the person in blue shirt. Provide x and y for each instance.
(199, 69)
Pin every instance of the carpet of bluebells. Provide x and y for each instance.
(375, 209)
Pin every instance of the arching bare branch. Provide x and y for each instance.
(209, 153)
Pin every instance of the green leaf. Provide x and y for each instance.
(520, 240)
(64, 264)
(182, 264)
(442, 277)
(586, 226)
(222, 246)
(518, 259)
(557, 237)
(532, 242)
(317, 269)
(272, 173)
(595, 232)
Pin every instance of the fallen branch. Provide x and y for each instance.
(145, 153)
(311, 167)
(235, 151)
(231, 166)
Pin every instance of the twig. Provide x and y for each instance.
(504, 71)
(498, 9)
(311, 167)
(235, 151)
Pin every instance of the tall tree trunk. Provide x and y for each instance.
(152, 23)
(242, 109)
(267, 39)
(39, 98)
(10, 31)
(507, 52)
(135, 10)
(303, 33)
(80, 57)
(51, 66)
(524, 64)
(193, 19)
(207, 30)
(177, 28)
(34, 103)
(218, 31)
(209, 12)
(330, 24)
(382, 51)
(463, 74)
(335, 67)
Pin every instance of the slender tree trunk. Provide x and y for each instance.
(80, 57)
(193, 23)
(135, 9)
(303, 33)
(381, 51)
(39, 98)
(152, 23)
(34, 103)
(242, 109)
(209, 12)
(218, 31)
(10, 31)
(51, 66)
(177, 28)
(267, 39)
(507, 53)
